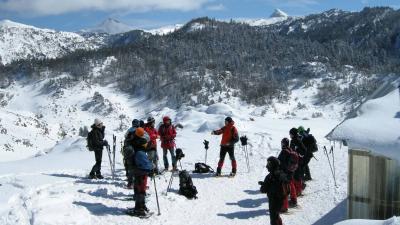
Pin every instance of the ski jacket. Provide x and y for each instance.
(229, 133)
(167, 135)
(274, 184)
(297, 145)
(97, 137)
(289, 160)
(141, 160)
(310, 143)
(153, 134)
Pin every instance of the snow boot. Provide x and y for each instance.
(92, 176)
(218, 173)
(99, 176)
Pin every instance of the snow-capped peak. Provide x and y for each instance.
(9, 23)
(278, 13)
(110, 26)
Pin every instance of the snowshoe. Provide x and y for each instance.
(142, 214)
(231, 175)
(92, 176)
(99, 176)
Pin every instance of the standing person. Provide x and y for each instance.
(128, 152)
(289, 162)
(229, 137)
(142, 168)
(297, 145)
(167, 134)
(95, 138)
(311, 144)
(152, 146)
(273, 185)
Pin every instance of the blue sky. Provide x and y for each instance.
(72, 15)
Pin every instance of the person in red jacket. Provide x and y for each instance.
(167, 134)
(229, 137)
(152, 146)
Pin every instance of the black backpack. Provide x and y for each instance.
(310, 143)
(89, 141)
(202, 168)
(186, 187)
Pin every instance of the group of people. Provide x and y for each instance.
(139, 154)
(288, 172)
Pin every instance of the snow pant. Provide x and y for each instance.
(98, 155)
(275, 205)
(222, 154)
(165, 158)
(153, 157)
(129, 168)
(307, 174)
(298, 179)
(293, 196)
(140, 192)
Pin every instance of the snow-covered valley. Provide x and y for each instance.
(44, 182)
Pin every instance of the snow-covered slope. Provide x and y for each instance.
(20, 41)
(51, 188)
(109, 26)
(165, 29)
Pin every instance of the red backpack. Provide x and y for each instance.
(293, 161)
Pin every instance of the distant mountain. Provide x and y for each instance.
(278, 13)
(20, 41)
(109, 26)
(277, 16)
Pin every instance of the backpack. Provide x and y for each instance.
(186, 187)
(202, 168)
(310, 143)
(235, 138)
(293, 161)
(89, 141)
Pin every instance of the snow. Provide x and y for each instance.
(391, 221)
(375, 128)
(9, 23)
(165, 29)
(46, 183)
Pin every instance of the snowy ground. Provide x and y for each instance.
(51, 188)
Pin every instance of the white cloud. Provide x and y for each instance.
(56, 7)
(219, 7)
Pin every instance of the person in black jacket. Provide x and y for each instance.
(297, 145)
(97, 146)
(273, 185)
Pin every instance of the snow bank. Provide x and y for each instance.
(220, 108)
(376, 128)
(391, 221)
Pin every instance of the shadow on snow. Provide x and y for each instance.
(337, 214)
(99, 209)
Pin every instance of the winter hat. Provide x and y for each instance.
(150, 119)
(139, 132)
(301, 129)
(166, 119)
(285, 142)
(293, 131)
(272, 163)
(97, 121)
(229, 119)
(135, 123)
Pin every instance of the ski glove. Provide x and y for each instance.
(105, 143)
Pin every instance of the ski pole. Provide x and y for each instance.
(330, 166)
(109, 157)
(248, 159)
(170, 182)
(333, 162)
(114, 149)
(155, 189)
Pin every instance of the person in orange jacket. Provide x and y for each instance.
(229, 137)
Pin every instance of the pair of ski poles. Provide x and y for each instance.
(111, 156)
(331, 166)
